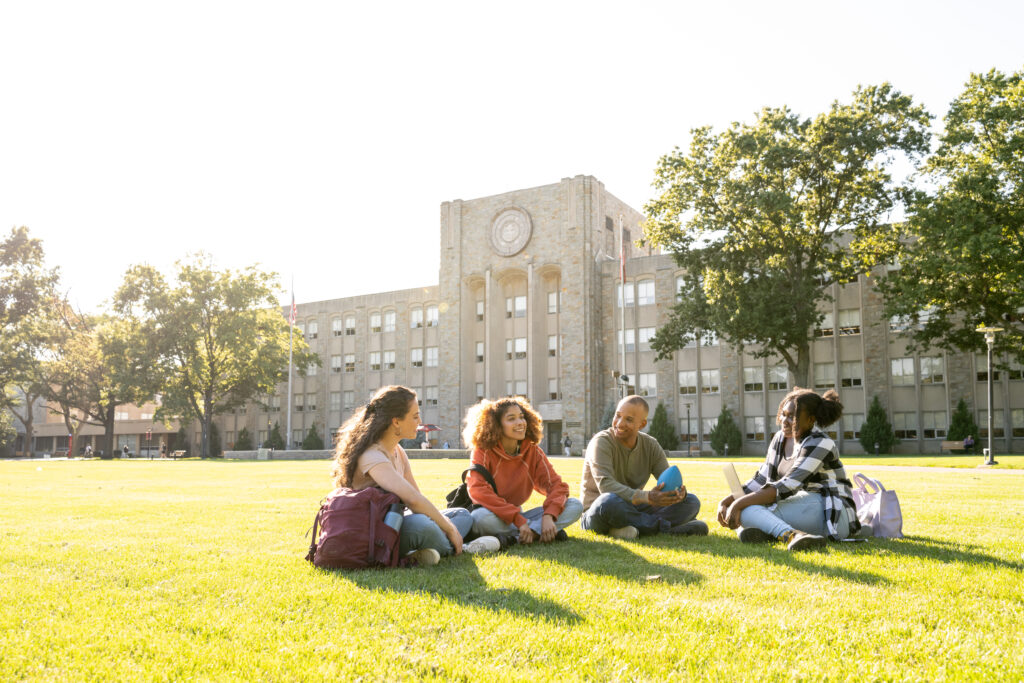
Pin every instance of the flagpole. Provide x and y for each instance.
(622, 299)
(291, 333)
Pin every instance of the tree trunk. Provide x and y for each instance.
(207, 407)
(801, 373)
(108, 431)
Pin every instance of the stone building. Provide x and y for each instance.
(527, 302)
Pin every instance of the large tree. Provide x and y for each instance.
(962, 261)
(765, 216)
(221, 337)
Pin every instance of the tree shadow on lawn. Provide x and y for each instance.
(458, 579)
(926, 548)
(600, 555)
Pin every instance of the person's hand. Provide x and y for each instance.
(526, 534)
(723, 509)
(659, 498)
(547, 529)
(454, 537)
(732, 515)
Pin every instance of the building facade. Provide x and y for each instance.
(528, 302)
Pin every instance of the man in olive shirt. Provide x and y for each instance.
(617, 465)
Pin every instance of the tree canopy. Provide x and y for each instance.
(220, 336)
(961, 264)
(763, 217)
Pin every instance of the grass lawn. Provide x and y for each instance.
(149, 570)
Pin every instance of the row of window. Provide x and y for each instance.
(379, 322)
(385, 360)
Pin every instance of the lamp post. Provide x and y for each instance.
(688, 404)
(990, 339)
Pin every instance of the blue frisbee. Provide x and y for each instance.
(671, 478)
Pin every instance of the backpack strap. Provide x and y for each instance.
(481, 470)
(312, 544)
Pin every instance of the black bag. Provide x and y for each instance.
(459, 496)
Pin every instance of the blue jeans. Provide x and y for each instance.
(419, 531)
(486, 523)
(803, 511)
(611, 511)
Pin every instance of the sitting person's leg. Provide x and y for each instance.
(419, 531)
(681, 512)
(486, 523)
(804, 512)
(610, 511)
(570, 513)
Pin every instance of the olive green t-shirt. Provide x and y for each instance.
(609, 467)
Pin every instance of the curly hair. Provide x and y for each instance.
(483, 422)
(366, 427)
(825, 409)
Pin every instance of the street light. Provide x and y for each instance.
(990, 339)
(688, 404)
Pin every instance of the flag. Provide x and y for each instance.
(291, 319)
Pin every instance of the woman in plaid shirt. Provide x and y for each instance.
(801, 493)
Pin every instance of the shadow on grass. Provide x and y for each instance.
(926, 548)
(599, 555)
(459, 580)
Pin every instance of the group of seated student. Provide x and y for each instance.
(800, 495)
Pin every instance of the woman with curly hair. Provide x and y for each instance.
(504, 435)
(801, 493)
(368, 454)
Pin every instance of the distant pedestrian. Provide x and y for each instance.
(125, 450)
(969, 443)
(88, 451)
(163, 450)
(568, 446)
(445, 445)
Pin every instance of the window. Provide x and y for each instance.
(851, 373)
(261, 436)
(849, 321)
(375, 360)
(375, 322)
(311, 370)
(515, 388)
(899, 323)
(520, 347)
(432, 316)
(275, 404)
(933, 424)
(902, 372)
(753, 379)
(1017, 421)
(645, 293)
(479, 310)
(932, 369)
(310, 402)
(389, 321)
(553, 389)
(627, 242)
(825, 328)
(479, 352)
(121, 415)
(348, 399)
(509, 306)
(997, 423)
(646, 334)
(552, 302)
(350, 362)
(852, 423)
(297, 436)
(552, 345)
(229, 438)
(609, 235)
(312, 329)
(416, 318)
(241, 410)
(1016, 370)
(145, 416)
(521, 387)
(707, 425)
(430, 395)
(647, 384)
(778, 378)
(301, 327)
(679, 287)
(520, 307)
(389, 360)
(335, 400)
(336, 329)
(509, 344)
(350, 325)
(687, 382)
(981, 365)
(628, 293)
(688, 429)
(710, 338)
(755, 428)
(431, 356)
(479, 391)
(416, 358)
(904, 425)
(630, 339)
(336, 363)
(709, 381)
(824, 375)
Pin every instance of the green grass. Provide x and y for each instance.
(1003, 462)
(193, 570)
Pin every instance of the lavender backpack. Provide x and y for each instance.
(877, 506)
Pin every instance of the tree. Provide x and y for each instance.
(216, 450)
(27, 394)
(960, 262)
(765, 217)
(221, 337)
(244, 441)
(726, 433)
(8, 435)
(877, 430)
(182, 442)
(961, 423)
(607, 416)
(274, 438)
(313, 441)
(662, 430)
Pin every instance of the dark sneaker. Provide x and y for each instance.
(694, 527)
(749, 534)
(798, 540)
(561, 535)
(507, 540)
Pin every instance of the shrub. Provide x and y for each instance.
(216, 449)
(244, 440)
(312, 442)
(726, 433)
(877, 429)
(662, 430)
(962, 424)
(275, 440)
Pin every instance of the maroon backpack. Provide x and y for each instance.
(349, 531)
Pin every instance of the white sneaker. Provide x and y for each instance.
(484, 544)
(425, 557)
(626, 533)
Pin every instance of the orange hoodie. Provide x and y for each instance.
(517, 477)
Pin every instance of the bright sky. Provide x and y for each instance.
(318, 139)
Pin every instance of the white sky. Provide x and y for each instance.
(318, 139)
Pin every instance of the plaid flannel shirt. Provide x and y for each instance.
(817, 469)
